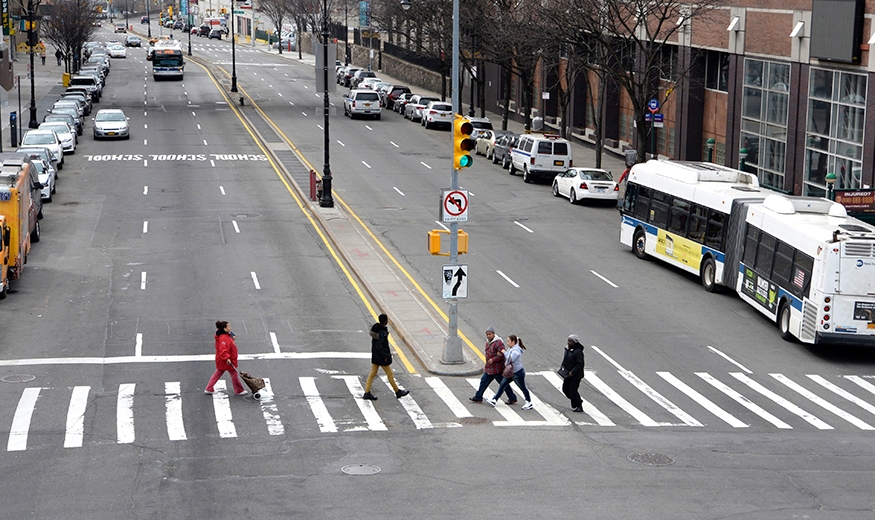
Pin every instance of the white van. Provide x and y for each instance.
(540, 155)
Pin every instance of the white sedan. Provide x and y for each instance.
(437, 113)
(117, 51)
(65, 134)
(46, 178)
(585, 183)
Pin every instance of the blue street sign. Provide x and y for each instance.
(658, 118)
(653, 105)
(648, 117)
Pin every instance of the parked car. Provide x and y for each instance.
(369, 84)
(361, 103)
(91, 83)
(486, 142)
(413, 108)
(46, 177)
(66, 118)
(70, 102)
(393, 94)
(586, 183)
(204, 30)
(132, 40)
(111, 122)
(540, 155)
(437, 113)
(288, 44)
(347, 76)
(41, 154)
(216, 34)
(80, 96)
(481, 125)
(66, 134)
(501, 150)
(360, 75)
(47, 139)
(401, 102)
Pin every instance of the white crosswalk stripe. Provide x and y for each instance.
(435, 405)
(744, 401)
(787, 405)
(76, 417)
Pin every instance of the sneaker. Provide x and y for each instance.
(241, 394)
(578, 409)
(493, 402)
(510, 401)
(475, 400)
(211, 392)
(401, 393)
(527, 405)
(369, 396)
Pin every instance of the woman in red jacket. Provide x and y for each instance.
(226, 359)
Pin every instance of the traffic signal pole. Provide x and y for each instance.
(453, 347)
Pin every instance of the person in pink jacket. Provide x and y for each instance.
(226, 359)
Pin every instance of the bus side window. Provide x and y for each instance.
(783, 265)
(714, 231)
(752, 237)
(765, 254)
(642, 206)
(678, 216)
(659, 209)
(801, 281)
(698, 223)
(629, 199)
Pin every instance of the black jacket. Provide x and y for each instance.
(380, 352)
(573, 361)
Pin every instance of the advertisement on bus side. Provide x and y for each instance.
(760, 290)
(679, 249)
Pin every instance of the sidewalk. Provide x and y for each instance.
(48, 87)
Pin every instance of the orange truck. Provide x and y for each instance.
(20, 205)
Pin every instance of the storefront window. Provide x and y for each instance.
(835, 128)
(765, 105)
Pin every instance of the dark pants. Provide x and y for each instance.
(485, 379)
(570, 387)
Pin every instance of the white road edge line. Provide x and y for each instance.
(612, 284)
(508, 279)
(522, 226)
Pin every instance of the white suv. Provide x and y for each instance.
(540, 155)
(437, 113)
(362, 103)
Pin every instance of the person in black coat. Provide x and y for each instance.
(573, 364)
(381, 356)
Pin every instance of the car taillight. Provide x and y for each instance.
(583, 186)
(571, 164)
(532, 161)
(616, 187)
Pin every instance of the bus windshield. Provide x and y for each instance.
(162, 59)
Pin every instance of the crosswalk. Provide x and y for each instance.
(331, 404)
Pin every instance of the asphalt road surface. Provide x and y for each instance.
(695, 408)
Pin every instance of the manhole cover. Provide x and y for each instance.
(360, 469)
(17, 378)
(473, 420)
(246, 215)
(651, 459)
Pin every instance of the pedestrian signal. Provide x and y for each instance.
(462, 142)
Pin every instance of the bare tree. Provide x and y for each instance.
(67, 25)
(637, 44)
(277, 12)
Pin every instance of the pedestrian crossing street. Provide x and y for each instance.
(332, 404)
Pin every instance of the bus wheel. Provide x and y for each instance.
(784, 322)
(639, 243)
(708, 274)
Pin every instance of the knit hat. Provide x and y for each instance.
(574, 338)
(490, 329)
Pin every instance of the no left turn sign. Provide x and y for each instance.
(454, 206)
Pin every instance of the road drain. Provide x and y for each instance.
(361, 469)
(17, 378)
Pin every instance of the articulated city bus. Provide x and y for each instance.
(167, 62)
(801, 261)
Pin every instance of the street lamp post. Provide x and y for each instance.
(188, 24)
(148, 20)
(346, 30)
(710, 144)
(327, 200)
(830, 180)
(742, 155)
(31, 17)
(233, 53)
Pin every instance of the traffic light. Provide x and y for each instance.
(170, 11)
(462, 142)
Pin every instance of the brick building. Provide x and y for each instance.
(788, 81)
